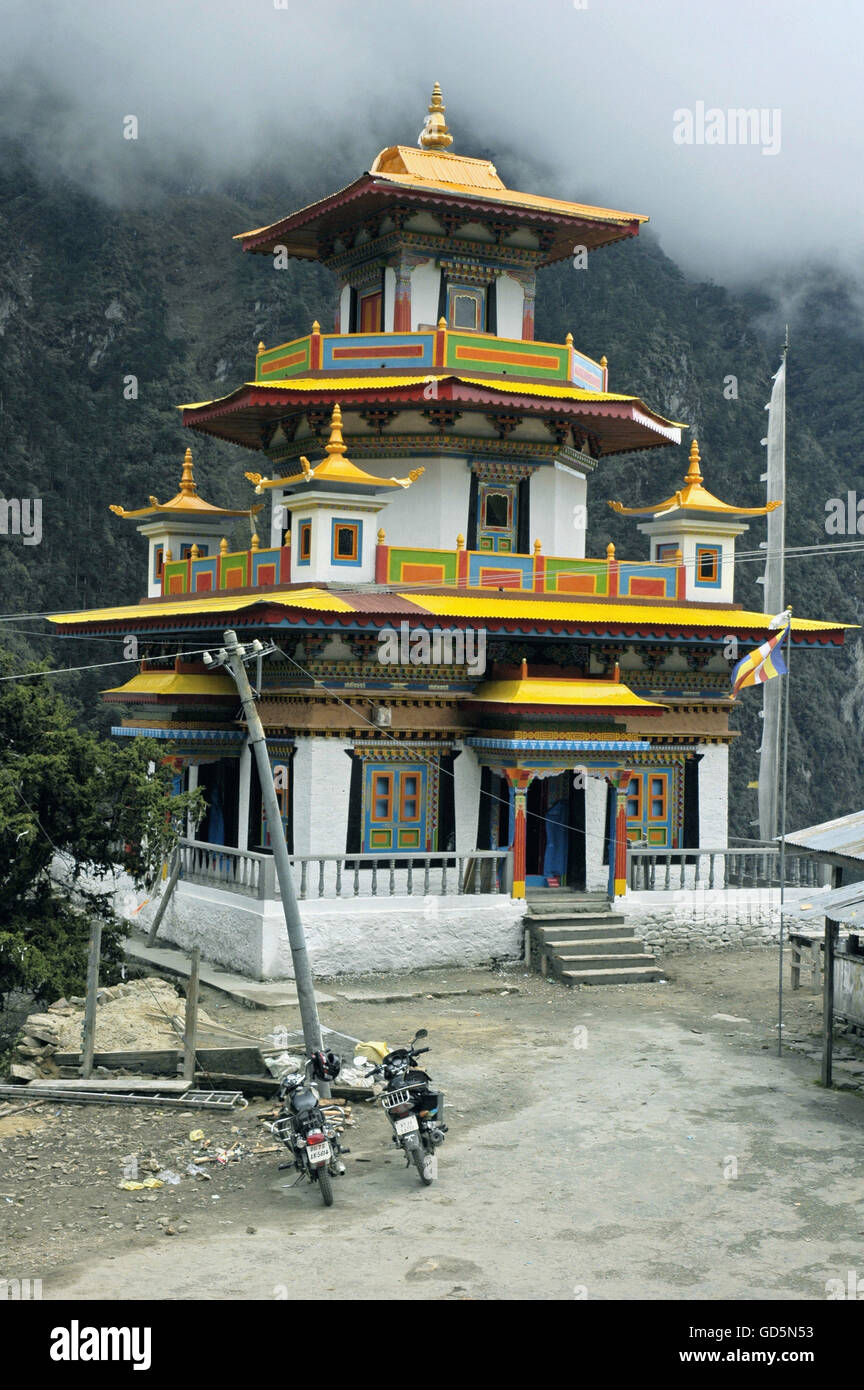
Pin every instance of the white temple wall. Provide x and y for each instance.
(389, 298)
(596, 872)
(466, 792)
(558, 511)
(509, 297)
(714, 796)
(434, 511)
(322, 782)
(425, 290)
(345, 309)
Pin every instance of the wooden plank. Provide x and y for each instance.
(230, 1081)
(248, 1061)
(141, 1085)
(166, 896)
(89, 1029)
(190, 1037)
(828, 1002)
(158, 1062)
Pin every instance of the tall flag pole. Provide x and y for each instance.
(774, 596)
(760, 667)
(783, 837)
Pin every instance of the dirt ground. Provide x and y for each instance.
(639, 1142)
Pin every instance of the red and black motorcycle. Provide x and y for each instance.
(414, 1107)
(303, 1127)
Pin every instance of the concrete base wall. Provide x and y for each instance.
(361, 936)
(703, 919)
(596, 872)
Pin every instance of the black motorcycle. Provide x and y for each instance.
(414, 1106)
(304, 1128)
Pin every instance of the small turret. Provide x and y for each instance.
(698, 530)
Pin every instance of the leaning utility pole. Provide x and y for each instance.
(296, 936)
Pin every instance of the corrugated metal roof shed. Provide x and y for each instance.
(842, 838)
(840, 904)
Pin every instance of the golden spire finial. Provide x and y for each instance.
(336, 444)
(610, 551)
(261, 348)
(255, 540)
(569, 340)
(435, 135)
(187, 477)
(694, 472)
(223, 546)
(316, 327)
(604, 363)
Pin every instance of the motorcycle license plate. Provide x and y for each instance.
(407, 1125)
(319, 1153)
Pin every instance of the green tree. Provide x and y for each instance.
(73, 809)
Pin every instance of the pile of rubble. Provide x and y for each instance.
(134, 1014)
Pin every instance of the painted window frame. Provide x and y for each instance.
(396, 777)
(665, 551)
(384, 775)
(337, 524)
(478, 294)
(641, 825)
(304, 542)
(715, 580)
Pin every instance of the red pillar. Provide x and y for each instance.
(402, 302)
(519, 778)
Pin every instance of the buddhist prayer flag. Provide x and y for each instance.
(764, 662)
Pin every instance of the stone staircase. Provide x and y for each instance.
(579, 939)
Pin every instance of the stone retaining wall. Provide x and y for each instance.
(706, 919)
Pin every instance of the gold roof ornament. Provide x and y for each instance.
(185, 502)
(694, 498)
(435, 135)
(334, 468)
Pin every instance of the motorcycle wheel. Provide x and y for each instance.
(421, 1158)
(326, 1185)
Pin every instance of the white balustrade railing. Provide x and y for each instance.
(435, 874)
(752, 866)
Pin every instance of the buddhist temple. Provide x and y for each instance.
(426, 469)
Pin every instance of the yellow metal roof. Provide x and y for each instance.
(373, 383)
(174, 683)
(613, 612)
(581, 693)
(437, 166)
(500, 194)
(186, 501)
(319, 599)
(693, 497)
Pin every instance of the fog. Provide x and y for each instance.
(606, 99)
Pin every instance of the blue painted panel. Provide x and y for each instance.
(517, 564)
(357, 352)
